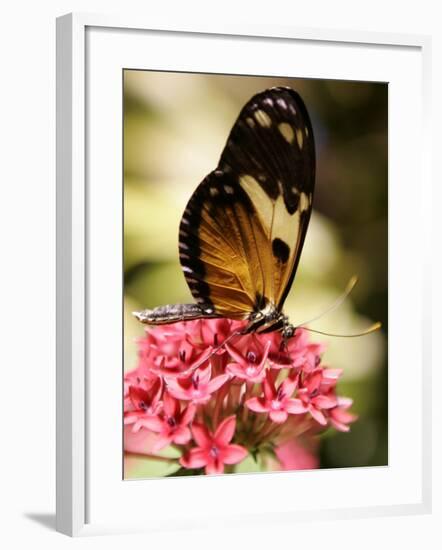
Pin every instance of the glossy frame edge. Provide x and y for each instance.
(70, 277)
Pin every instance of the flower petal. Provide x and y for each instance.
(171, 405)
(318, 416)
(345, 402)
(204, 375)
(278, 360)
(232, 454)
(265, 354)
(130, 418)
(257, 404)
(314, 380)
(157, 389)
(217, 382)
(152, 423)
(278, 416)
(161, 442)
(201, 435)
(195, 458)
(298, 361)
(225, 431)
(324, 402)
(236, 355)
(188, 415)
(342, 415)
(142, 441)
(339, 426)
(289, 385)
(178, 392)
(236, 370)
(214, 467)
(269, 386)
(295, 406)
(140, 398)
(292, 455)
(332, 374)
(202, 358)
(181, 436)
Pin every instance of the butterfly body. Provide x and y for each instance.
(267, 320)
(243, 229)
(163, 315)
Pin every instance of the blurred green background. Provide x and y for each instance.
(175, 127)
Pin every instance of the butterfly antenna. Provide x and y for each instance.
(369, 330)
(350, 286)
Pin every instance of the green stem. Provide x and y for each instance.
(222, 392)
(246, 395)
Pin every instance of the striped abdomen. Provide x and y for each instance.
(164, 315)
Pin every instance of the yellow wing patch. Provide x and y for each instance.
(243, 229)
(287, 131)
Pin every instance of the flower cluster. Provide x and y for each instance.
(217, 398)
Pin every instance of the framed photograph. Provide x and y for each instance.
(238, 311)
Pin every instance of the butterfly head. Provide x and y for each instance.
(288, 331)
(269, 319)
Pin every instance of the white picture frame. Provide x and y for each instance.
(85, 41)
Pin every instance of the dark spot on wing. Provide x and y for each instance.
(260, 302)
(280, 249)
(291, 201)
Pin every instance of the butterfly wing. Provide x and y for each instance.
(242, 232)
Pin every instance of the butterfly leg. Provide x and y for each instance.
(288, 331)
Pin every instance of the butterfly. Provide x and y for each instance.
(242, 232)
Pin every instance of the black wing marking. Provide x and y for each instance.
(243, 229)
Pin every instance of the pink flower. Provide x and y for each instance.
(141, 379)
(205, 370)
(140, 442)
(299, 353)
(169, 351)
(214, 332)
(339, 415)
(329, 379)
(173, 426)
(161, 342)
(312, 398)
(143, 404)
(293, 455)
(183, 365)
(198, 387)
(213, 451)
(250, 358)
(277, 402)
